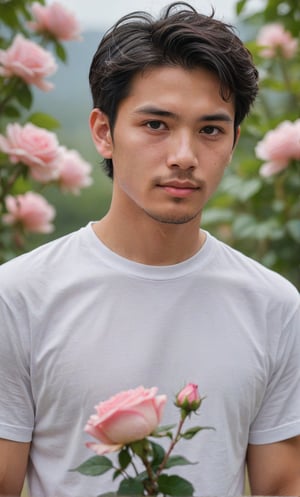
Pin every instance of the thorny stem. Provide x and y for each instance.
(172, 445)
(151, 485)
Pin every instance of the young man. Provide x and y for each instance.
(145, 297)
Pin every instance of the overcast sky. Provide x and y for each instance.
(103, 13)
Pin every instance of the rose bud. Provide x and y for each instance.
(188, 399)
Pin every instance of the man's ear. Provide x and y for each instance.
(100, 131)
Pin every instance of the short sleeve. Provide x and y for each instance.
(16, 404)
(279, 415)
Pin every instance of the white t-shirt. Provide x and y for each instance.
(80, 323)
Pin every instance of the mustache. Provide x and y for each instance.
(181, 177)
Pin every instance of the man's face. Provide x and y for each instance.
(173, 138)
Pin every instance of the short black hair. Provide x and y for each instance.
(181, 36)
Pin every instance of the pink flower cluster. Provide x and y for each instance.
(31, 211)
(47, 161)
(55, 20)
(279, 147)
(274, 39)
(28, 61)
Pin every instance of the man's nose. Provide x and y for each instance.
(182, 153)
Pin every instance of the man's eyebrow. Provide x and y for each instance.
(156, 111)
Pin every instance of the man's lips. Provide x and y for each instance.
(179, 188)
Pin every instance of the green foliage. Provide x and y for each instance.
(16, 106)
(257, 215)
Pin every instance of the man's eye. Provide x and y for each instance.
(210, 130)
(155, 125)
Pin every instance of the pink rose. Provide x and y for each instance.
(74, 172)
(278, 147)
(127, 417)
(28, 61)
(274, 38)
(188, 398)
(31, 210)
(271, 168)
(36, 147)
(56, 20)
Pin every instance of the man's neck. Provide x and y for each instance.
(148, 241)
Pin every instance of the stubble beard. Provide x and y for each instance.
(175, 219)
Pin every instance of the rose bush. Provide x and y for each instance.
(31, 156)
(124, 418)
(257, 207)
(28, 61)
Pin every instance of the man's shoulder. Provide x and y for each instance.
(32, 264)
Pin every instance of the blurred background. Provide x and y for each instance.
(257, 208)
(70, 101)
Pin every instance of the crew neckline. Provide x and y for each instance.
(137, 269)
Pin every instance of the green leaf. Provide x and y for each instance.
(60, 51)
(24, 96)
(139, 447)
(130, 486)
(175, 486)
(191, 432)
(95, 466)
(44, 120)
(178, 461)
(124, 458)
(11, 111)
(158, 453)
(293, 228)
(116, 474)
(9, 16)
(240, 6)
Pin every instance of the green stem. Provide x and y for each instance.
(150, 485)
(172, 445)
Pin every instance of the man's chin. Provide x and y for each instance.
(173, 218)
